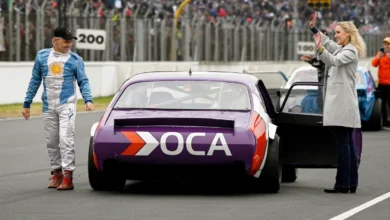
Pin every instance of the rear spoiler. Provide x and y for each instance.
(180, 122)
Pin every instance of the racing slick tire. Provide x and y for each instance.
(271, 176)
(102, 181)
(289, 174)
(376, 120)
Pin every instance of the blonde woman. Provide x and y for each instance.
(341, 109)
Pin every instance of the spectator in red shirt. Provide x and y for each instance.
(382, 61)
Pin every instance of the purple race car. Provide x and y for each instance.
(203, 124)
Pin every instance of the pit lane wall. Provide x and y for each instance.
(107, 77)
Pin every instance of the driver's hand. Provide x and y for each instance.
(89, 106)
(26, 113)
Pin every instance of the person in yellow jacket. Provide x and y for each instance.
(382, 61)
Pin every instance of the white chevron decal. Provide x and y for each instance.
(150, 143)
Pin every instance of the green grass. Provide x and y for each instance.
(15, 110)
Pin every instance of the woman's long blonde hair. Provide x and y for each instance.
(355, 38)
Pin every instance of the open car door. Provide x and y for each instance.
(305, 142)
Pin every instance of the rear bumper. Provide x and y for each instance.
(150, 166)
(157, 172)
(158, 165)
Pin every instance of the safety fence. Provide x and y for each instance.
(141, 38)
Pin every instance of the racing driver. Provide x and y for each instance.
(59, 69)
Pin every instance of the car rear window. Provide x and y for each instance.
(199, 95)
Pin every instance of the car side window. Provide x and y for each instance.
(257, 93)
(262, 100)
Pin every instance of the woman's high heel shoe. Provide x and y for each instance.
(353, 189)
(337, 190)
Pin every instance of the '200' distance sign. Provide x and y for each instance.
(92, 39)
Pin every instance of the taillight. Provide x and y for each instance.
(95, 160)
(258, 128)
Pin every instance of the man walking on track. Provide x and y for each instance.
(59, 69)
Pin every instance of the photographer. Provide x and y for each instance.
(382, 59)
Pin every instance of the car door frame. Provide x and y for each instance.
(305, 142)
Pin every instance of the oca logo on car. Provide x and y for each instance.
(143, 144)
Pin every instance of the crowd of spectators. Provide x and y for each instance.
(368, 15)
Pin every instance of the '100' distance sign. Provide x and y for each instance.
(92, 39)
(306, 48)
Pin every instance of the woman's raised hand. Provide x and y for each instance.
(313, 21)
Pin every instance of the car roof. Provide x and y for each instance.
(306, 67)
(196, 75)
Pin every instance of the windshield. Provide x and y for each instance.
(204, 95)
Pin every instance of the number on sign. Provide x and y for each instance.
(91, 39)
(310, 48)
(306, 48)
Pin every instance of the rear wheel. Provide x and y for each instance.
(271, 176)
(100, 180)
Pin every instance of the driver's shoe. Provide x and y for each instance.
(67, 183)
(56, 178)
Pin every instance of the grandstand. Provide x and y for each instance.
(208, 30)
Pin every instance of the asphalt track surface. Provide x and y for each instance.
(24, 173)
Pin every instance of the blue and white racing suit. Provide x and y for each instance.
(59, 73)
